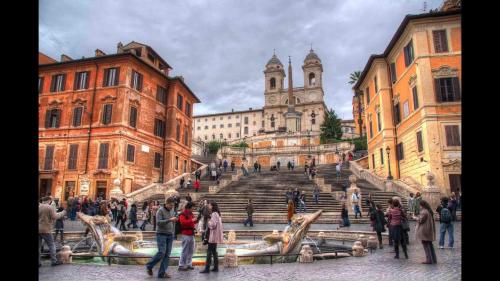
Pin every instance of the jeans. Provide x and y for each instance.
(114, 212)
(164, 242)
(143, 225)
(430, 254)
(442, 231)
(357, 211)
(316, 198)
(72, 214)
(133, 223)
(212, 252)
(248, 220)
(47, 237)
(302, 207)
(187, 251)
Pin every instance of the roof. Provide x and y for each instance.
(178, 78)
(151, 50)
(312, 56)
(396, 36)
(228, 113)
(44, 59)
(274, 60)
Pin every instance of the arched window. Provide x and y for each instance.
(273, 83)
(312, 79)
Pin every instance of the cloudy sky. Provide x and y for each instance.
(221, 46)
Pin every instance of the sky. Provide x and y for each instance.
(221, 47)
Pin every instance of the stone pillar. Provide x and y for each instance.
(230, 258)
(431, 193)
(116, 191)
(357, 249)
(306, 254)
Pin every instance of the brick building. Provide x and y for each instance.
(111, 116)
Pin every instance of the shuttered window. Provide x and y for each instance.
(40, 85)
(186, 136)
(81, 80)
(130, 153)
(373, 161)
(379, 122)
(161, 95)
(111, 76)
(103, 156)
(179, 101)
(420, 144)
(157, 163)
(399, 152)
(452, 135)
(188, 109)
(371, 129)
(447, 89)
(49, 157)
(136, 82)
(107, 113)
(376, 84)
(440, 41)
(52, 118)
(397, 114)
(408, 53)
(133, 117)
(73, 156)
(367, 92)
(77, 116)
(159, 128)
(178, 132)
(393, 73)
(381, 156)
(177, 162)
(57, 83)
(415, 98)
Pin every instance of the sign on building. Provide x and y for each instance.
(145, 148)
(84, 187)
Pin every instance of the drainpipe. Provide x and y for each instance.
(162, 173)
(91, 118)
(391, 95)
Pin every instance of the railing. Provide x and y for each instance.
(342, 146)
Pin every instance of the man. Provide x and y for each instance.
(411, 204)
(278, 165)
(316, 194)
(225, 165)
(47, 215)
(337, 168)
(255, 167)
(244, 169)
(296, 195)
(259, 167)
(446, 224)
(289, 165)
(232, 166)
(165, 220)
(293, 164)
(289, 195)
(197, 174)
(187, 220)
(249, 209)
(355, 204)
(188, 198)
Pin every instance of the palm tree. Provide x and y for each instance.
(354, 77)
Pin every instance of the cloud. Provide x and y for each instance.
(221, 47)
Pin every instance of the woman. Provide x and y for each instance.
(145, 215)
(345, 217)
(216, 236)
(114, 209)
(426, 231)
(302, 202)
(379, 224)
(371, 209)
(396, 216)
(133, 216)
(121, 217)
(197, 185)
(389, 207)
(290, 211)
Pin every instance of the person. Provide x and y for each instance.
(278, 164)
(59, 226)
(389, 207)
(232, 166)
(453, 205)
(288, 195)
(74, 208)
(371, 205)
(396, 216)
(212, 166)
(103, 208)
(187, 221)
(154, 210)
(214, 174)
(188, 183)
(426, 231)
(289, 165)
(302, 202)
(355, 204)
(314, 162)
(244, 169)
(446, 223)
(343, 157)
(337, 168)
(145, 215)
(250, 211)
(204, 215)
(350, 156)
(259, 167)
(181, 183)
(255, 167)
(459, 206)
(216, 236)
(188, 198)
(225, 165)
(313, 173)
(133, 216)
(316, 194)
(411, 204)
(416, 203)
(306, 169)
(197, 174)
(114, 209)
(122, 217)
(165, 220)
(197, 185)
(345, 217)
(296, 195)
(290, 211)
(379, 224)
(47, 215)
(293, 164)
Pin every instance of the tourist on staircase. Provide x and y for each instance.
(293, 164)
(114, 208)
(411, 204)
(197, 174)
(345, 217)
(197, 185)
(122, 217)
(371, 206)
(133, 216)
(416, 203)
(289, 195)
(380, 224)
(290, 211)
(59, 226)
(302, 202)
(249, 209)
(259, 167)
(216, 236)
(232, 166)
(446, 223)
(296, 195)
(355, 204)
(47, 215)
(181, 183)
(214, 174)
(313, 172)
(306, 169)
(255, 167)
(187, 221)
(203, 216)
(426, 231)
(396, 216)
(338, 171)
(145, 215)
(278, 164)
(154, 210)
(389, 207)
(225, 165)
(316, 192)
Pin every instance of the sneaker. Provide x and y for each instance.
(149, 271)
(190, 267)
(56, 263)
(450, 247)
(215, 270)
(166, 275)
(441, 247)
(180, 268)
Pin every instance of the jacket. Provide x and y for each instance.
(216, 231)
(163, 225)
(186, 218)
(59, 222)
(47, 215)
(197, 184)
(396, 216)
(380, 221)
(290, 211)
(249, 209)
(426, 230)
(345, 213)
(133, 214)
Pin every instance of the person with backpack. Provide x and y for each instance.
(250, 211)
(446, 223)
(379, 224)
(426, 231)
(186, 224)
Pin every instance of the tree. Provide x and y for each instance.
(331, 127)
(215, 145)
(354, 77)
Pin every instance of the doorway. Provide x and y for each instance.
(455, 183)
(101, 190)
(45, 187)
(69, 190)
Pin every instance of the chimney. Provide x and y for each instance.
(181, 77)
(65, 58)
(99, 53)
(119, 48)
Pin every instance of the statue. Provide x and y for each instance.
(306, 254)
(357, 249)
(231, 236)
(364, 241)
(431, 193)
(230, 258)
(65, 255)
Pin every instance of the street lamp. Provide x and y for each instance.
(309, 139)
(388, 150)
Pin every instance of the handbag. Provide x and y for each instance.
(405, 224)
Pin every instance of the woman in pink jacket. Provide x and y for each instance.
(215, 237)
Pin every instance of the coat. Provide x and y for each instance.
(249, 209)
(216, 230)
(426, 230)
(380, 221)
(187, 222)
(47, 215)
(290, 211)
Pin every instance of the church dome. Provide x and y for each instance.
(274, 60)
(312, 56)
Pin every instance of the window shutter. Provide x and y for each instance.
(105, 80)
(75, 81)
(53, 83)
(449, 137)
(437, 88)
(456, 89)
(140, 82)
(133, 116)
(117, 76)
(437, 41)
(49, 157)
(103, 156)
(87, 80)
(40, 84)
(47, 118)
(58, 117)
(63, 82)
(393, 73)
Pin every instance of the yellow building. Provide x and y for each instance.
(411, 99)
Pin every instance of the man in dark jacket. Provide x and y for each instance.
(232, 166)
(250, 211)
(296, 195)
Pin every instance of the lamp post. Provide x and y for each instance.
(245, 150)
(388, 150)
(309, 142)
(224, 149)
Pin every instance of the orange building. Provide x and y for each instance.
(108, 117)
(411, 96)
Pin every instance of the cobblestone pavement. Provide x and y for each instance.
(379, 265)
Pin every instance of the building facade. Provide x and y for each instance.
(348, 129)
(411, 98)
(117, 116)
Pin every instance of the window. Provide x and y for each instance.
(133, 117)
(213, 119)
(159, 128)
(40, 85)
(367, 95)
(221, 136)
(184, 168)
(188, 109)
(178, 132)
(229, 125)
(381, 156)
(229, 117)
(186, 136)
(452, 135)
(408, 53)
(77, 116)
(130, 153)
(177, 162)
(255, 123)
(214, 126)
(136, 81)
(397, 113)
(393, 73)
(371, 130)
(415, 98)
(229, 135)
(81, 80)
(246, 120)
(161, 95)
(221, 118)
(447, 89)
(103, 156)
(49, 157)
(111, 76)
(312, 79)
(237, 135)
(57, 83)
(52, 118)
(440, 41)
(406, 109)
(237, 124)
(199, 128)
(206, 138)
(399, 152)
(373, 161)
(107, 113)
(272, 83)
(375, 83)
(69, 189)
(151, 57)
(73, 156)
(179, 101)
(206, 127)
(379, 121)
(222, 125)
(245, 130)
(420, 144)
(237, 117)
